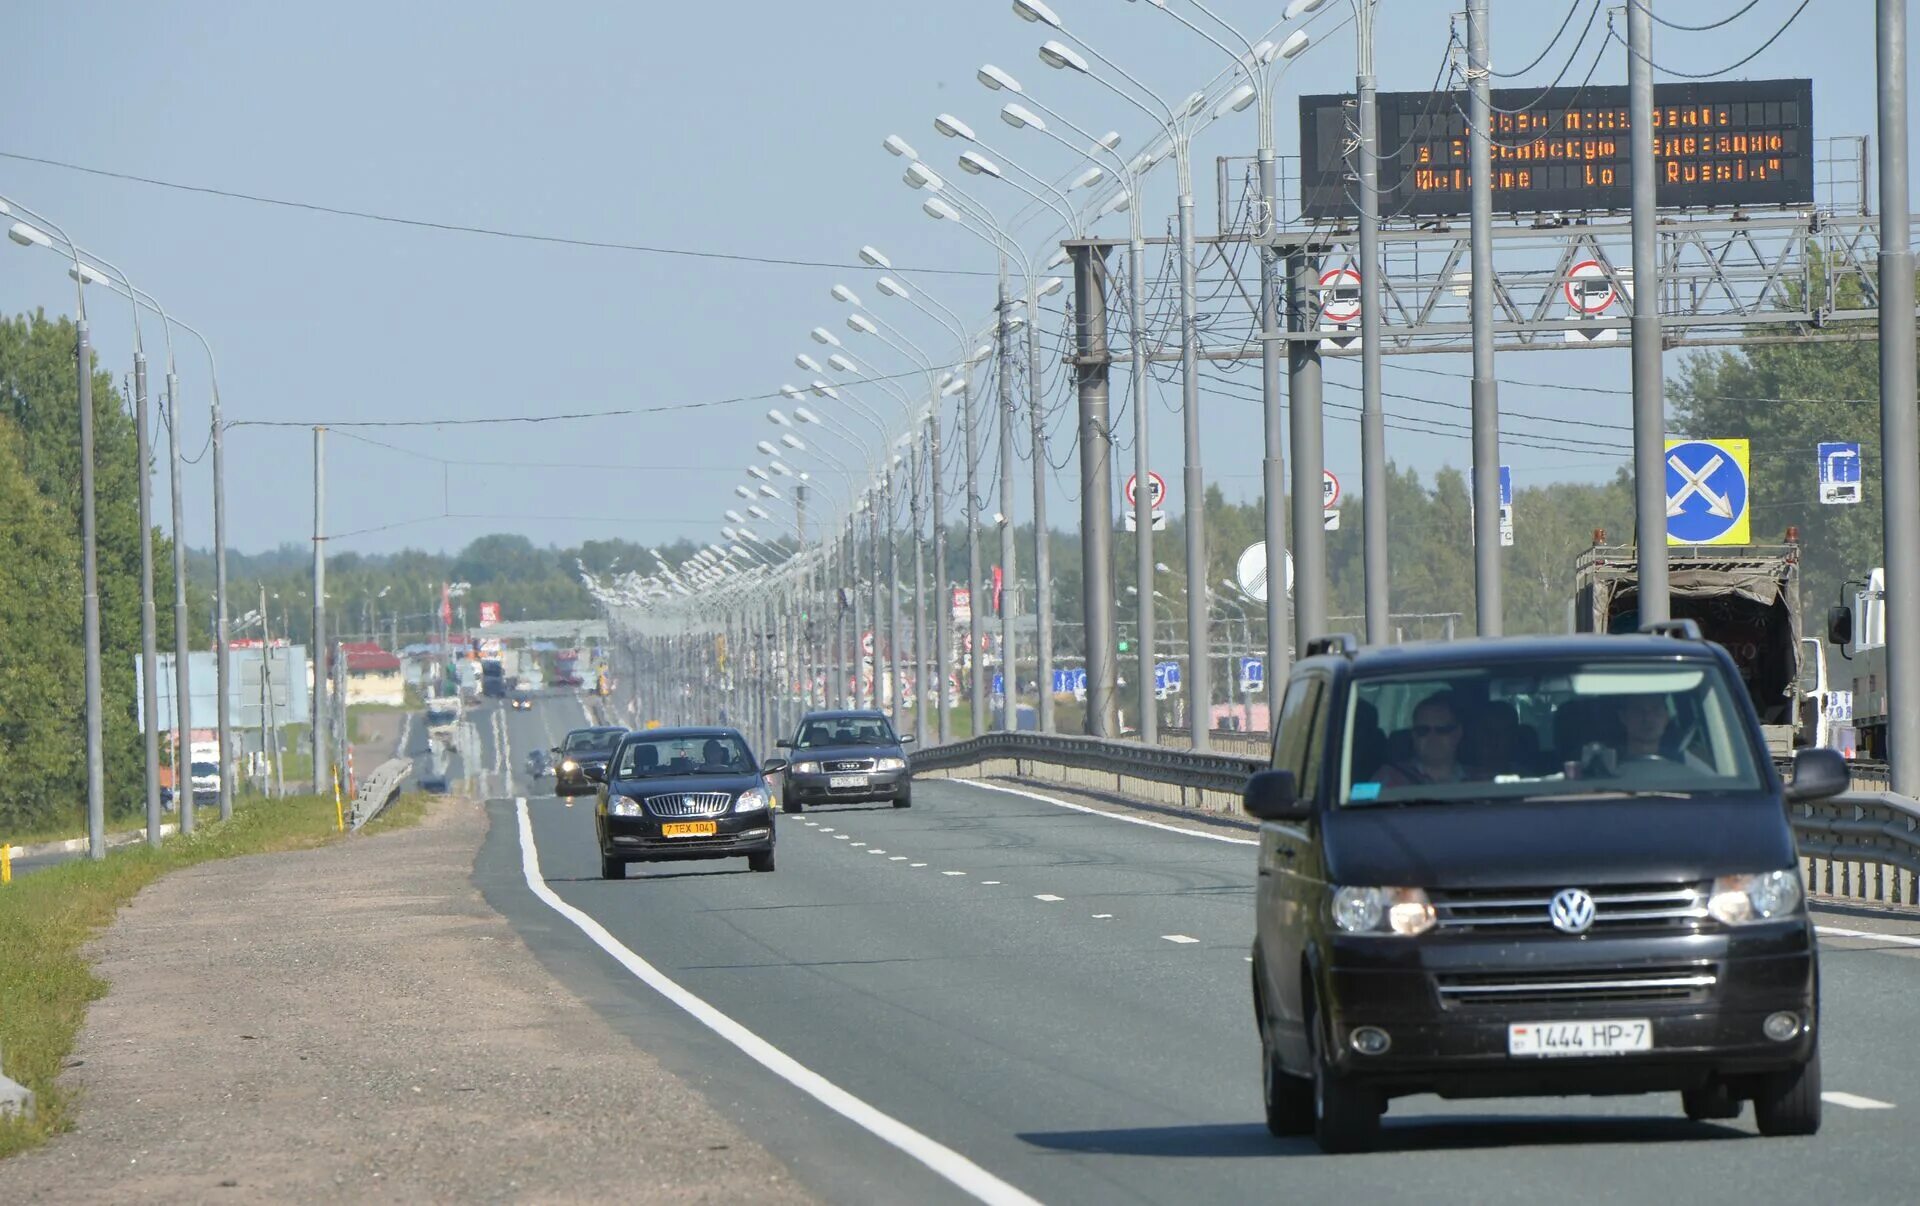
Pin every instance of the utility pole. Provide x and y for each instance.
(1306, 417)
(1273, 429)
(1649, 403)
(1373, 422)
(1486, 396)
(1042, 555)
(922, 710)
(1148, 724)
(942, 596)
(182, 664)
(322, 744)
(1009, 571)
(1899, 424)
(149, 646)
(266, 657)
(976, 628)
(1199, 651)
(223, 707)
(1091, 363)
(90, 603)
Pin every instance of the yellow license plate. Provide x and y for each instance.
(690, 829)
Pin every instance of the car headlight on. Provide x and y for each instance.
(1403, 911)
(623, 808)
(806, 768)
(889, 764)
(754, 799)
(569, 765)
(1746, 899)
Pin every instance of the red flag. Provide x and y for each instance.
(996, 591)
(446, 605)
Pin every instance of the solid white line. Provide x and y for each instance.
(941, 1159)
(1111, 816)
(1180, 938)
(1895, 939)
(1044, 896)
(1855, 1102)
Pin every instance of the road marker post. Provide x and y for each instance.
(6, 862)
(339, 810)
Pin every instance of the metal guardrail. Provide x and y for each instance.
(1863, 844)
(378, 790)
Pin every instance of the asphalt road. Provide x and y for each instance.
(1062, 1000)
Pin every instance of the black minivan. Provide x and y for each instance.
(1531, 866)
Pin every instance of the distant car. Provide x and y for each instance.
(583, 751)
(683, 794)
(846, 758)
(434, 782)
(522, 698)
(539, 764)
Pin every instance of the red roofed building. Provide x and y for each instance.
(373, 675)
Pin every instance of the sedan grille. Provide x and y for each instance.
(1528, 910)
(1674, 982)
(848, 764)
(690, 804)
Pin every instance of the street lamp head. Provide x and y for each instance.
(769, 491)
(934, 207)
(953, 387)
(979, 165)
(780, 468)
(29, 236)
(1293, 44)
(87, 274)
(779, 419)
(1115, 203)
(1034, 10)
(794, 442)
(735, 516)
(1087, 177)
(757, 473)
(872, 257)
(1300, 8)
(840, 364)
(919, 175)
(980, 353)
(952, 127)
(1057, 258)
(897, 145)
(766, 448)
(1020, 117)
(1193, 104)
(995, 79)
(822, 389)
(1050, 286)
(843, 294)
(893, 288)
(1060, 56)
(804, 415)
(1235, 101)
(808, 363)
(862, 324)
(759, 512)
(824, 336)
(729, 533)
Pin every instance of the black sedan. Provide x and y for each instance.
(584, 752)
(683, 794)
(846, 758)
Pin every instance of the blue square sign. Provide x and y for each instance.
(1840, 473)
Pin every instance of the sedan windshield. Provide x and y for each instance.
(657, 757)
(1545, 729)
(850, 730)
(591, 740)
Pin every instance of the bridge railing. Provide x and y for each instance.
(1861, 845)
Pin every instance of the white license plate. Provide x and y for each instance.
(1616, 1037)
(846, 781)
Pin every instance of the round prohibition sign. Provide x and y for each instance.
(1336, 308)
(1579, 298)
(1156, 488)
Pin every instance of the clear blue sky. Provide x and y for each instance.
(749, 128)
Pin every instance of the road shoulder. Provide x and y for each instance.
(355, 1021)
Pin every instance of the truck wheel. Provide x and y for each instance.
(1788, 1103)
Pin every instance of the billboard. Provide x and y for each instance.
(286, 696)
(1717, 144)
(489, 614)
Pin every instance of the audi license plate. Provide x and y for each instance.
(1617, 1037)
(690, 829)
(846, 781)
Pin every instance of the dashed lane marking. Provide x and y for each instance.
(941, 1159)
(859, 843)
(989, 883)
(916, 864)
(1103, 916)
(1179, 938)
(1854, 1101)
(1046, 897)
(900, 858)
(953, 873)
(841, 837)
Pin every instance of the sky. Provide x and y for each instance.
(752, 129)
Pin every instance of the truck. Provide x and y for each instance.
(204, 769)
(493, 677)
(1863, 626)
(1744, 597)
(443, 721)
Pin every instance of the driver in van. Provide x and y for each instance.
(1436, 732)
(1644, 720)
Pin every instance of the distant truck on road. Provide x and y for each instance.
(204, 769)
(493, 678)
(1745, 598)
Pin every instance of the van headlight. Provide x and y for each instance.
(806, 768)
(623, 808)
(1403, 911)
(754, 799)
(889, 764)
(1746, 899)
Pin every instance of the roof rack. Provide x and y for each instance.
(1343, 643)
(1679, 630)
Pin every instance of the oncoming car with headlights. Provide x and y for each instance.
(1531, 866)
(580, 755)
(846, 757)
(683, 794)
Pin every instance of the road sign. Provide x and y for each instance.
(1839, 474)
(1253, 676)
(1329, 490)
(1166, 678)
(1340, 295)
(1071, 680)
(866, 642)
(999, 685)
(489, 614)
(1592, 290)
(962, 605)
(1251, 571)
(1506, 504)
(1332, 520)
(1156, 488)
(1707, 492)
(1133, 522)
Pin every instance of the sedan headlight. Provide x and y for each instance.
(569, 765)
(1746, 899)
(623, 808)
(754, 799)
(889, 764)
(806, 768)
(1404, 911)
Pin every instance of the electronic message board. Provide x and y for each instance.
(1720, 144)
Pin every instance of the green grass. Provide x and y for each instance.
(404, 812)
(47, 918)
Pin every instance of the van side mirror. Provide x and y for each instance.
(1272, 795)
(595, 774)
(774, 766)
(1817, 774)
(1840, 626)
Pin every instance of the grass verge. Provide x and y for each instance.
(46, 919)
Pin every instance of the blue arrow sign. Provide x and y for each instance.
(999, 685)
(1506, 485)
(1062, 682)
(1839, 473)
(1707, 492)
(1253, 675)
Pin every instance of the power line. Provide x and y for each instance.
(1743, 10)
(463, 228)
(1545, 50)
(1707, 75)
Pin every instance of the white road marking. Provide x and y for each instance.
(1855, 1102)
(941, 1159)
(1102, 916)
(1895, 939)
(875, 850)
(841, 837)
(900, 858)
(1045, 896)
(916, 864)
(1180, 938)
(953, 873)
(1111, 816)
(826, 829)
(988, 883)
(859, 843)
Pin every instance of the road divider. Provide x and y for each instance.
(378, 790)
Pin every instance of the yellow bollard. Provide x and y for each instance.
(6, 862)
(339, 813)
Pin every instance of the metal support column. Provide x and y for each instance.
(322, 745)
(1373, 423)
(1306, 420)
(1273, 465)
(1091, 366)
(1649, 401)
(1487, 605)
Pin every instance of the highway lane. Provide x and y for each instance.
(1063, 999)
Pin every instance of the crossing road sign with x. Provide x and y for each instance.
(1707, 492)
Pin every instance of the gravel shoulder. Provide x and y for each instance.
(354, 1022)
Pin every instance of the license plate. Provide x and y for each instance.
(846, 781)
(1617, 1037)
(690, 829)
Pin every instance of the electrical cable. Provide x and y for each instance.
(1545, 50)
(1707, 75)
(1744, 9)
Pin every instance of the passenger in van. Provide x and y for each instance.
(1501, 744)
(1644, 719)
(1436, 733)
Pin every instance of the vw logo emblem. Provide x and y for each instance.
(1571, 911)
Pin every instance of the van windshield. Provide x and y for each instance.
(1545, 729)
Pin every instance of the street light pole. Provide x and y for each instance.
(1649, 401)
(322, 745)
(1009, 666)
(1486, 397)
(1373, 426)
(182, 666)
